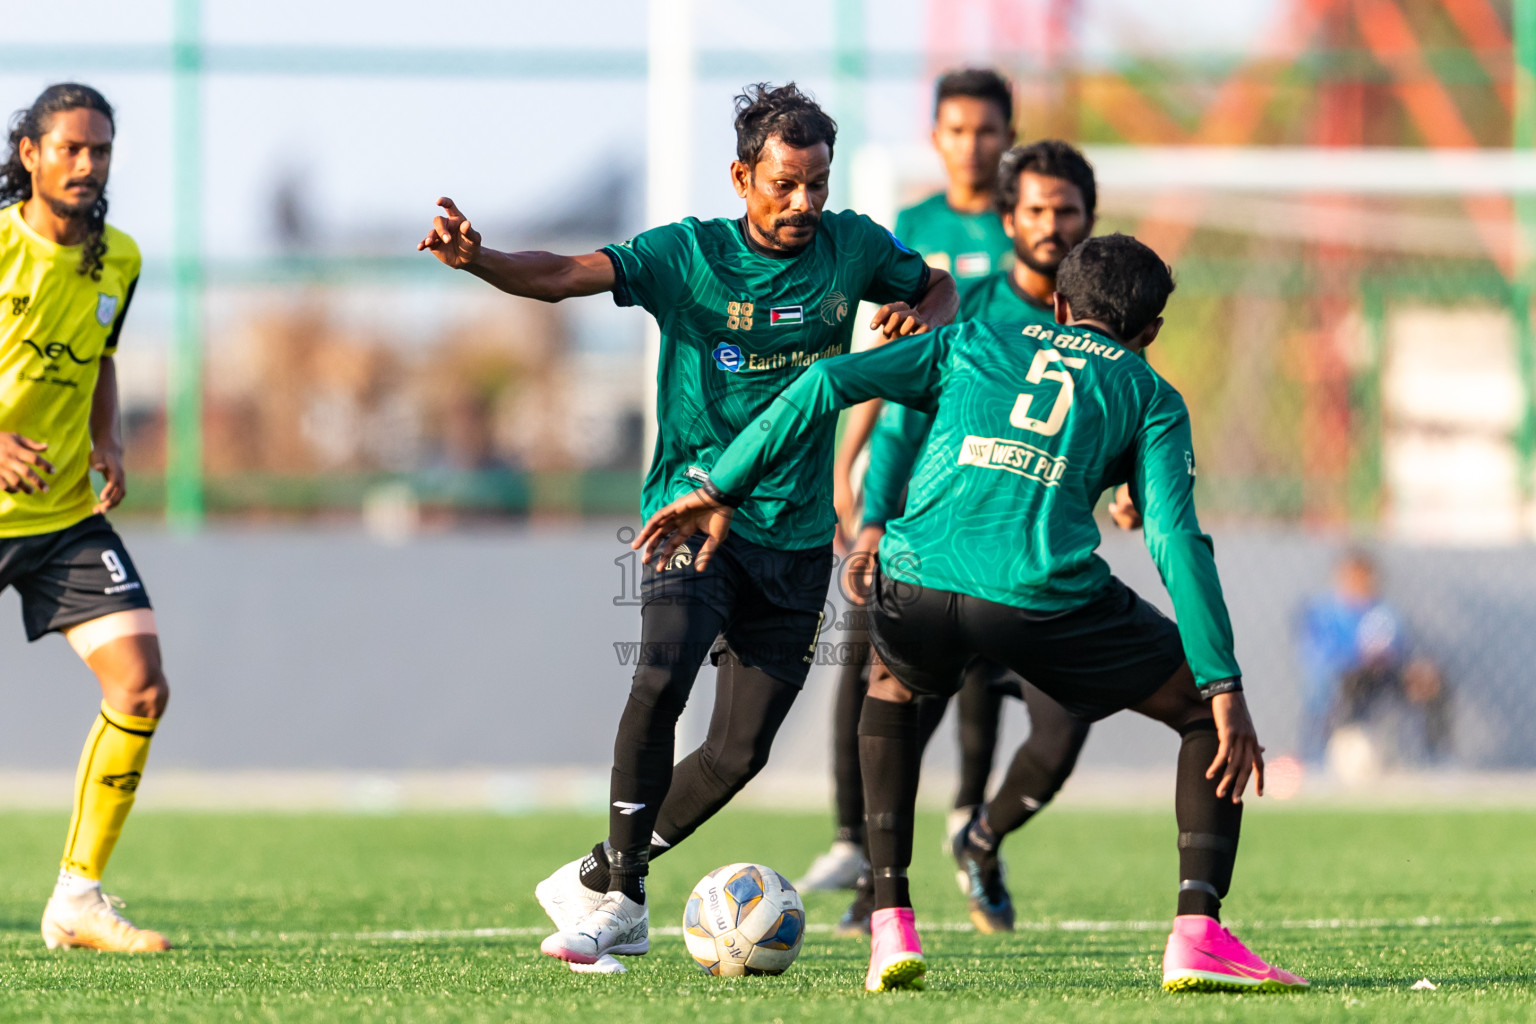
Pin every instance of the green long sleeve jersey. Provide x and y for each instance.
(900, 431)
(737, 326)
(968, 245)
(1031, 425)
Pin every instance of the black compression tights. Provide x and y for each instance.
(650, 798)
(1041, 764)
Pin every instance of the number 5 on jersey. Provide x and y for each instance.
(1040, 371)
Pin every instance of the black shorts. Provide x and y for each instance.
(1108, 655)
(70, 576)
(773, 602)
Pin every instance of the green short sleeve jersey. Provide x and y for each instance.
(900, 432)
(1031, 425)
(737, 327)
(970, 246)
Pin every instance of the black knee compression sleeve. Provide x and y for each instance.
(1208, 825)
(890, 759)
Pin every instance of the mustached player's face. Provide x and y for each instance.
(785, 192)
(69, 163)
(1049, 220)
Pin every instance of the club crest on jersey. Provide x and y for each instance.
(786, 315)
(834, 307)
(728, 357)
(106, 308)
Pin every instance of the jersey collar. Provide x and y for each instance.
(48, 246)
(1024, 296)
(762, 250)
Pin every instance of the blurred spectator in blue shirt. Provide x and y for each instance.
(1360, 670)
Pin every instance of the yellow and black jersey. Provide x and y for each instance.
(56, 324)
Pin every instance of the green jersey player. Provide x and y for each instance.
(994, 556)
(958, 230)
(1046, 196)
(745, 307)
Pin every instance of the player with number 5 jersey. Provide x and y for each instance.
(994, 557)
(66, 279)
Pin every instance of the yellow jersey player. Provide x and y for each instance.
(66, 278)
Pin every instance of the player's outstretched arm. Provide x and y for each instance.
(535, 275)
(670, 528)
(907, 372)
(106, 439)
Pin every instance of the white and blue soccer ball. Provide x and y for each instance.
(743, 919)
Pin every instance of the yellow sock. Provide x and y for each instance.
(108, 777)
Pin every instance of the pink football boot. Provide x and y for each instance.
(1202, 956)
(895, 953)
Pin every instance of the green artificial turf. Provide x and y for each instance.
(290, 918)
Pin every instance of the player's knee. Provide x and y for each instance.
(736, 764)
(661, 688)
(140, 689)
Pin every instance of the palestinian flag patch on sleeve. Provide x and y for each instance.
(786, 315)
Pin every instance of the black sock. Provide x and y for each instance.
(847, 783)
(1208, 825)
(890, 759)
(594, 869)
(627, 875)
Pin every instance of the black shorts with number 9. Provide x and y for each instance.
(70, 576)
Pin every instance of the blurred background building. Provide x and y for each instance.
(1346, 189)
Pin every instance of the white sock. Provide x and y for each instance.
(73, 887)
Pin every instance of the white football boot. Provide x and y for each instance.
(617, 927)
(567, 901)
(564, 898)
(838, 868)
(93, 922)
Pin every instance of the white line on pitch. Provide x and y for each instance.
(429, 934)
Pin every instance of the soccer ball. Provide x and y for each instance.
(743, 919)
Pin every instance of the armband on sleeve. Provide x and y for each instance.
(1233, 685)
(716, 494)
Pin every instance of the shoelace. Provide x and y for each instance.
(113, 904)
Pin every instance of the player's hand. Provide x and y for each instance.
(1239, 755)
(1123, 510)
(109, 463)
(859, 567)
(898, 320)
(670, 529)
(451, 239)
(21, 464)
